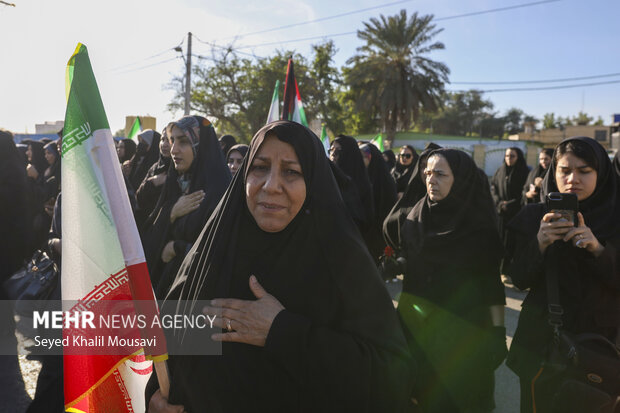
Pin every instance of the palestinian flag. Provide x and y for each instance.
(102, 258)
(325, 139)
(378, 142)
(274, 109)
(136, 128)
(292, 108)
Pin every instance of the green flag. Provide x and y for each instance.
(325, 139)
(136, 128)
(378, 142)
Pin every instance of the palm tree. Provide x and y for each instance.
(391, 78)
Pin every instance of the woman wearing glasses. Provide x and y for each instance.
(405, 164)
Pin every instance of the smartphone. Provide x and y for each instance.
(565, 204)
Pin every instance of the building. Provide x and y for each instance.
(48, 127)
(147, 122)
(549, 138)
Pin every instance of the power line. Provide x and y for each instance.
(335, 16)
(147, 58)
(530, 89)
(147, 66)
(230, 48)
(435, 19)
(477, 13)
(520, 82)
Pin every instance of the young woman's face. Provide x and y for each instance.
(235, 159)
(439, 178)
(573, 174)
(544, 160)
(120, 150)
(510, 157)
(275, 188)
(164, 147)
(181, 150)
(334, 151)
(50, 157)
(405, 156)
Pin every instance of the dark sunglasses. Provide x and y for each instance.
(405, 155)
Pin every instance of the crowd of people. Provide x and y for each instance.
(293, 246)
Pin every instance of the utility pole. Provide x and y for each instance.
(188, 72)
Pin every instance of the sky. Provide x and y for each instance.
(131, 46)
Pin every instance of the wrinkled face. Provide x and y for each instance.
(334, 151)
(180, 149)
(164, 147)
(573, 174)
(29, 153)
(510, 157)
(274, 187)
(50, 157)
(544, 160)
(235, 159)
(120, 150)
(439, 178)
(405, 156)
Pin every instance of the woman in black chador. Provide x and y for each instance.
(533, 183)
(196, 181)
(506, 186)
(452, 300)
(586, 259)
(308, 326)
(415, 190)
(147, 153)
(150, 189)
(345, 153)
(405, 162)
(384, 196)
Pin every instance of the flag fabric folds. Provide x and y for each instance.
(103, 258)
(136, 128)
(325, 139)
(274, 109)
(292, 108)
(378, 142)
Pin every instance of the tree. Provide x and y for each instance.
(328, 82)
(392, 77)
(599, 121)
(582, 119)
(549, 121)
(514, 118)
(462, 113)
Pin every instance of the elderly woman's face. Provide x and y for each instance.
(275, 188)
(439, 178)
(544, 160)
(573, 174)
(510, 157)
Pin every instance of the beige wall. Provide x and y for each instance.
(551, 137)
(148, 122)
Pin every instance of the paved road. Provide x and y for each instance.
(506, 382)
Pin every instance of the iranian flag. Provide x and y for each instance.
(136, 128)
(378, 142)
(274, 109)
(292, 108)
(103, 260)
(325, 139)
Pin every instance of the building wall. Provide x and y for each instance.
(147, 122)
(551, 137)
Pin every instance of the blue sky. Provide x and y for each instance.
(563, 39)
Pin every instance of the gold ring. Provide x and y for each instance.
(228, 326)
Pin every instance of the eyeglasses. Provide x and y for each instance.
(405, 155)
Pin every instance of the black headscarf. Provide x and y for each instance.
(241, 148)
(339, 332)
(616, 163)
(208, 172)
(391, 158)
(144, 158)
(227, 142)
(130, 150)
(467, 209)
(351, 163)
(415, 190)
(38, 158)
(402, 173)
(509, 180)
(384, 197)
(537, 172)
(52, 173)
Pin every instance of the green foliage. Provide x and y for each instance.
(391, 78)
(582, 119)
(549, 121)
(514, 121)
